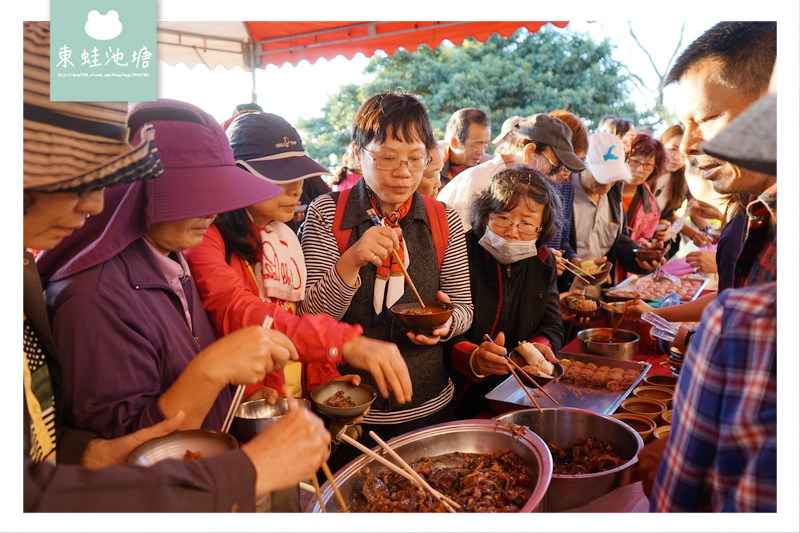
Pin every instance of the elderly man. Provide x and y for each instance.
(466, 138)
(58, 199)
(719, 75)
(541, 141)
(722, 452)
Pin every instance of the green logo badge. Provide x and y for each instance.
(102, 50)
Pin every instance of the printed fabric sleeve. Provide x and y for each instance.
(326, 291)
(231, 305)
(223, 483)
(454, 278)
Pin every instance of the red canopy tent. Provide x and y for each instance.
(253, 44)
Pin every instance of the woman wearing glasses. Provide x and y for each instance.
(352, 271)
(513, 277)
(645, 160)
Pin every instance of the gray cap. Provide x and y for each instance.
(552, 132)
(750, 140)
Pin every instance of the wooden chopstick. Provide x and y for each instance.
(382, 460)
(567, 265)
(609, 307)
(530, 378)
(239, 393)
(325, 469)
(522, 385)
(449, 504)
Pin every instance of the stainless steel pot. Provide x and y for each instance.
(470, 436)
(561, 426)
(254, 416)
(624, 349)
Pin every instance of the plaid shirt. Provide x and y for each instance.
(721, 453)
(757, 262)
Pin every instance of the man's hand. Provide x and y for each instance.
(264, 393)
(489, 358)
(101, 453)
(384, 362)
(647, 467)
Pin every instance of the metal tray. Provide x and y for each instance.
(509, 396)
(630, 280)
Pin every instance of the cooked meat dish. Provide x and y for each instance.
(478, 482)
(192, 456)
(340, 399)
(585, 456)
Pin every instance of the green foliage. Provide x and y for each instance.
(524, 74)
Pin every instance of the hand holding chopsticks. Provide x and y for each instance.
(574, 270)
(376, 220)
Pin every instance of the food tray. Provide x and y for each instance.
(615, 292)
(509, 396)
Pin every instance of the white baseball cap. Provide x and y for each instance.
(606, 158)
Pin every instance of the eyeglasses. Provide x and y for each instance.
(387, 162)
(555, 167)
(639, 163)
(505, 222)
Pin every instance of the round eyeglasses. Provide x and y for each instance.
(390, 162)
(635, 163)
(555, 168)
(505, 222)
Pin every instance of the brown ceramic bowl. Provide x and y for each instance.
(422, 320)
(666, 417)
(654, 393)
(652, 409)
(649, 254)
(641, 424)
(572, 302)
(666, 381)
(662, 432)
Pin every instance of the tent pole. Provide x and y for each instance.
(253, 67)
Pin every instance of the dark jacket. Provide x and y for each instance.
(520, 299)
(222, 483)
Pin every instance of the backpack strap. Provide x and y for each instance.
(437, 217)
(342, 235)
(440, 229)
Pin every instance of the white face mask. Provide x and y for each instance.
(507, 252)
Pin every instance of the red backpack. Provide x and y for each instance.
(437, 217)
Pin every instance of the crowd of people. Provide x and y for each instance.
(165, 267)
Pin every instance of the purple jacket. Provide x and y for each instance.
(122, 340)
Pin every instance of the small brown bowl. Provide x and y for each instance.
(572, 300)
(662, 432)
(666, 381)
(641, 424)
(652, 409)
(666, 417)
(649, 254)
(654, 393)
(422, 320)
(362, 396)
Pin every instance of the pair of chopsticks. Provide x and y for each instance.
(376, 220)
(325, 468)
(237, 396)
(574, 270)
(402, 468)
(515, 369)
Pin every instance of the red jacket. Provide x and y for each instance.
(230, 297)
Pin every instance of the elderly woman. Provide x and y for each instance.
(513, 277)
(352, 273)
(645, 161)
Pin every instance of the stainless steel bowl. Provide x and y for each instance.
(561, 426)
(470, 436)
(175, 445)
(624, 349)
(255, 416)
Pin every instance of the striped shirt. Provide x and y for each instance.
(326, 291)
(721, 453)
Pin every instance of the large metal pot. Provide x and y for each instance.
(561, 426)
(622, 348)
(470, 436)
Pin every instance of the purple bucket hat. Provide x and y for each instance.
(200, 176)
